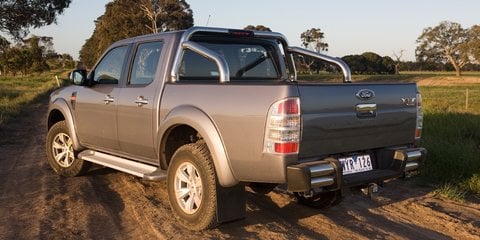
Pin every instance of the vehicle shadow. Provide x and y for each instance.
(277, 213)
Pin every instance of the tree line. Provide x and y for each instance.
(445, 47)
(129, 18)
(34, 54)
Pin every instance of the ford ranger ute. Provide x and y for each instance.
(212, 110)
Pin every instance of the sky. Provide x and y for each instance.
(350, 26)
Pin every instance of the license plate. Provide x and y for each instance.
(356, 164)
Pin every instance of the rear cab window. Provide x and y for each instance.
(248, 59)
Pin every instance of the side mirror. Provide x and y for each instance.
(78, 77)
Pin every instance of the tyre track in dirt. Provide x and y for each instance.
(106, 204)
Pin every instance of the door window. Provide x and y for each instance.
(109, 70)
(145, 63)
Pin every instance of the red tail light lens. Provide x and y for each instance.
(290, 147)
(290, 106)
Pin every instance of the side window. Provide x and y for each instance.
(145, 63)
(109, 70)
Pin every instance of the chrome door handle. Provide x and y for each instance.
(366, 110)
(141, 101)
(108, 99)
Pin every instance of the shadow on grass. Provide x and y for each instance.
(453, 144)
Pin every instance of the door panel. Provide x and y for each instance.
(137, 103)
(96, 106)
(96, 117)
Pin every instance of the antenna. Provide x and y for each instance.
(208, 20)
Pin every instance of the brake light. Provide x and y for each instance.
(419, 125)
(241, 33)
(282, 133)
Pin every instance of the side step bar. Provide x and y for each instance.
(145, 171)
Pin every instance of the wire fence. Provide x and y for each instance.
(451, 99)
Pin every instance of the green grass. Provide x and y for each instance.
(451, 191)
(17, 91)
(452, 137)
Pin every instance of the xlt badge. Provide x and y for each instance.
(409, 101)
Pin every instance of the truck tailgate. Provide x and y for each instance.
(342, 118)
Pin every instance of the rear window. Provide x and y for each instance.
(246, 61)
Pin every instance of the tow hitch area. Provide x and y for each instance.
(371, 190)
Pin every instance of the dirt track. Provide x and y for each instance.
(105, 204)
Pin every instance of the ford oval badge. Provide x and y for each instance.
(365, 94)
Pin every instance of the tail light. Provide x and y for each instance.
(419, 126)
(282, 133)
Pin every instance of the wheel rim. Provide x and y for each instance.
(62, 149)
(188, 188)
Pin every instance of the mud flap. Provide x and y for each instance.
(231, 203)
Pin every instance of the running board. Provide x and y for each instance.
(145, 171)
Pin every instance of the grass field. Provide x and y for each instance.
(15, 92)
(403, 77)
(451, 125)
(452, 137)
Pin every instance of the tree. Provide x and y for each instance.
(16, 17)
(257, 28)
(370, 63)
(313, 39)
(166, 15)
(129, 18)
(398, 60)
(4, 45)
(445, 42)
(39, 48)
(18, 59)
(374, 62)
(474, 43)
(357, 63)
(388, 65)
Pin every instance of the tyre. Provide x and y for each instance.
(191, 184)
(60, 153)
(320, 200)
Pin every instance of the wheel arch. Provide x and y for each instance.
(185, 120)
(60, 111)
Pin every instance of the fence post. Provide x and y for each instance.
(466, 100)
(58, 81)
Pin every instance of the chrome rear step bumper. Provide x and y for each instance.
(410, 158)
(327, 174)
(306, 176)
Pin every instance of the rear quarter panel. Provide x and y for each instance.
(239, 112)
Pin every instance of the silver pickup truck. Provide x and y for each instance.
(212, 110)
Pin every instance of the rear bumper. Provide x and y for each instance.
(327, 174)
